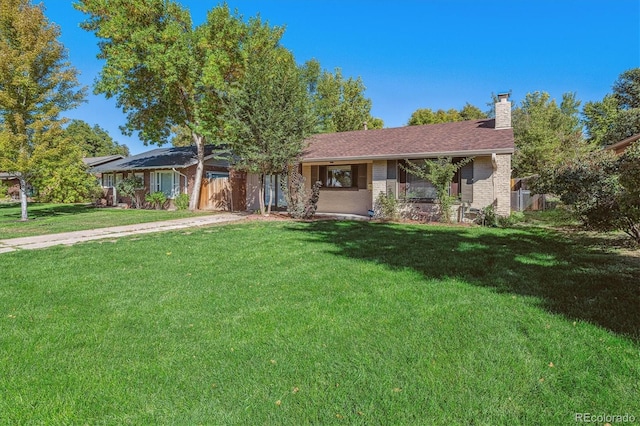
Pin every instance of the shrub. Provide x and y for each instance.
(386, 207)
(602, 188)
(299, 204)
(512, 219)
(439, 172)
(4, 189)
(182, 201)
(128, 186)
(487, 217)
(156, 199)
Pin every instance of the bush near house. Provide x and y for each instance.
(603, 189)
(156, 199)
(128, 187)
(181, 201)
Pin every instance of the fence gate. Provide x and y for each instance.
(522, 200)
(215, 194)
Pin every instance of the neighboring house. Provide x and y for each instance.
(620, 147)
(98, 161)
(355, 167)
(168, 170)
(11, 182)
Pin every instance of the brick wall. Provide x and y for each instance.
(503, 184)
(492, 187)
(379, 178)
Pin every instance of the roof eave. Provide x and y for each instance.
(126, 169)
(624, 142)
(411, 155)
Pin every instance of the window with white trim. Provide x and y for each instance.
(107, 180)
(165, 181)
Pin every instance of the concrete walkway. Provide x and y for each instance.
(68, 238)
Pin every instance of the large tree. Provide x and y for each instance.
(428, 116)
(164, 72)
(269, 112)
(339, 104)
(546, 134)
(37, 83)
(93, 141)
(617, 116)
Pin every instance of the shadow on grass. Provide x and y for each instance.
(568, 277)
(36, 210)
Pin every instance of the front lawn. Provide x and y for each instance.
(53, 218)
(323, 323)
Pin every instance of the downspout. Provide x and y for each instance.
(186, 181)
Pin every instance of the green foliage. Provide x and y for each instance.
(627, 89)
(602, 188)
(182, 201)
(427, 116)
(36, 84)
(300, 204)
(617, 116)
(4, 189)
(167, 74)
(268, 113)
(546, 134)
(440, 173)
(487, 217)
(128, 187)
(94, 141)
(156, 199)
(471, 112)
(386, 206)
(67, 183)
(338, 104)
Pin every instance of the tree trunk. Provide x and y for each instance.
(23, 198)
(194, 200)
(261, 194)
(270, 199)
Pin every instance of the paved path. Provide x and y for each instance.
(68, 238)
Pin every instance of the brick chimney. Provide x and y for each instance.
(503, 111)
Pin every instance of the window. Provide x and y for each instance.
(140, 178)
(107, 180)
(166, 182)
(338, 177)
(216, 175)
(273, 186)
(341, 176)
(420, 188)
(119, 178)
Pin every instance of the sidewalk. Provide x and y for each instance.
(68, 238)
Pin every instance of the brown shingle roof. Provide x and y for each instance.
(448, 139)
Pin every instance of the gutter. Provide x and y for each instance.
(411, 155)
(186, 180)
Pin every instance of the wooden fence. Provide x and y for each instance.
(215, 194)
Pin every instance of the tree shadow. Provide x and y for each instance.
(569, 278)
(36, 210)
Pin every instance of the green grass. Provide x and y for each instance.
(54, 218)
(323, 323)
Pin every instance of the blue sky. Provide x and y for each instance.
(420, 54)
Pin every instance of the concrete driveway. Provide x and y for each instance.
(69, 238)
